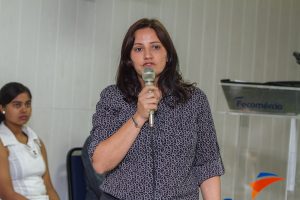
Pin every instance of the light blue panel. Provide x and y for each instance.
(222, 54)
(272, 40)
(82, 124)
(84, 53)
(208, 64)
(294, 37)
(258, 72)
(283, 41)
(297, 19)
(120, 24)
(57, 148)
(236, 39)
(137, 9)
(65, 55)
(46, 60)
(29, 41)
(182, 33)
(10, 17)
(101, 68)
(153, 9)
(249, 42)
(195, 41)
(40, 122)
(168, 15)
(293, 44)
(223, 39)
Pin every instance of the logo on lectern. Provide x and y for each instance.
(263, 180)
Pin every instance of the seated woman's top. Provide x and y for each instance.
(26, 163)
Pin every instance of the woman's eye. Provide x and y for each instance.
(17, 105)
(157, 47)
(137, 49)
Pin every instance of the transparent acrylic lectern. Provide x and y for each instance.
(267, 116)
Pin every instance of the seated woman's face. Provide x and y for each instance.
(18, 111)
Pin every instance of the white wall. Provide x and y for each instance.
(66, 52)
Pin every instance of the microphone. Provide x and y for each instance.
(148, 77)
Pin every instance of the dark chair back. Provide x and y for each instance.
(75, 173)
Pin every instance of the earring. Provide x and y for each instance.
(3, 112)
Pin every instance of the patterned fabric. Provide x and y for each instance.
(26, 163)
(167, 161)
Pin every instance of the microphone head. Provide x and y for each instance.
(148, 75)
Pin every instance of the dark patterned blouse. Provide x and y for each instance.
(167, 161)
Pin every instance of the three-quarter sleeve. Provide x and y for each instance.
(208, 159)
(105, 120)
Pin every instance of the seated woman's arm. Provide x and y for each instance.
(6, 188)
(47, 180)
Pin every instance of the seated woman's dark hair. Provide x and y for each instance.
(170, 80)
(10, 91)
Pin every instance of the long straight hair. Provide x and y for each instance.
(170, 80)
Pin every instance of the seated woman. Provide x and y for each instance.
(24, 170)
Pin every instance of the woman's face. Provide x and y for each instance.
(148, 51)
(18, 111)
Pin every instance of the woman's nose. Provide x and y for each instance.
(24, 108)
(147, 53)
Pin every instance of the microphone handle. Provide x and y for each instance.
(151, 118)
(151, 114)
